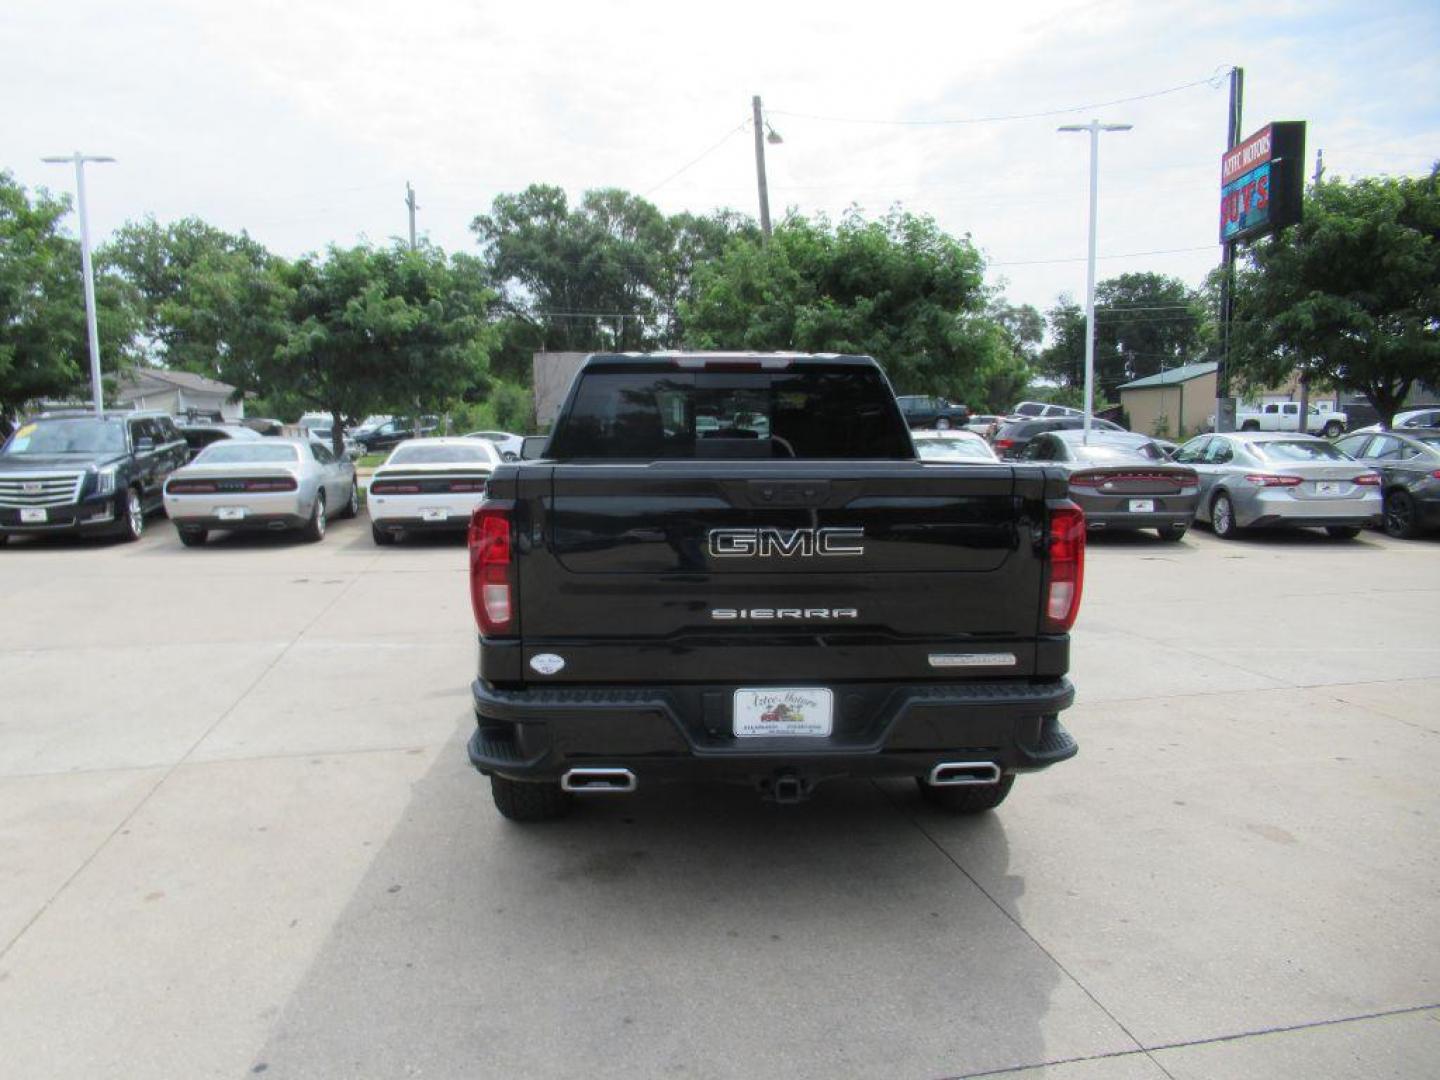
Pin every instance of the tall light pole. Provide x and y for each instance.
(79, 161)
(1094, 128)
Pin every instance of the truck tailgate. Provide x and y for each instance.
(713, 572)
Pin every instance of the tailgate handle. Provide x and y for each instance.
(806, 493)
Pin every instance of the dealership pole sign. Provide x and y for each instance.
(1262, 182)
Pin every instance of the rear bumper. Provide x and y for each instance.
(1278, 508)
(666, 733)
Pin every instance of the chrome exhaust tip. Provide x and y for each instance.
(962, 773)
(590, 781)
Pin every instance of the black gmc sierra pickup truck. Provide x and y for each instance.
(779, 596)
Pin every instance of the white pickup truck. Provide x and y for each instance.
(1284, 416)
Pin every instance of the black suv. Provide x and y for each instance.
(392, 433)
(932, 412)
(76, 472)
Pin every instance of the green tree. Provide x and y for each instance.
(211, 302)
(44, 346)
(381, 328)
(589, 277)
(897, 288)
(1350, 297)
(1063, 360)
(1144, 323)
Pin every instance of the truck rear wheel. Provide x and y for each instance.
(966, 798)
(528, 801)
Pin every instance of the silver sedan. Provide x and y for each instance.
(269, 484)
(1266, 479)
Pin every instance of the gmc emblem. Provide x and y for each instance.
(762, 543)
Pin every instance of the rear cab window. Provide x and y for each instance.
(657, 410)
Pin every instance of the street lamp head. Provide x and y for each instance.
(70, 159)
(1116, 127)
(773, 136)
(1074, 127)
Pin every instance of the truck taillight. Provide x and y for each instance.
(492, 569)
(1066, 576)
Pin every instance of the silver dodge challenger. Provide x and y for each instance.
(269, 483)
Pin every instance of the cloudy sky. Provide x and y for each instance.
(301, 120)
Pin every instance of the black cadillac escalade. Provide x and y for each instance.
(789, 598)
(78, 472)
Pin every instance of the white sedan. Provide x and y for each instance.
(429, 485)
(952, 445)
(507, 443)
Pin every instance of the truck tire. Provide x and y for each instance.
(1333, 429)
(1222, 518)
(528, 801)
(1250, 425)
(382, 537)
(352, 505)
(967, 798)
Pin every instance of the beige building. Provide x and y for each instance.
(178, 392)
(1174, 404)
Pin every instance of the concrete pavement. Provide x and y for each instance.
(238, 836)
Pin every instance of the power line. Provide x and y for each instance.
(1121, 255)
(696, 161)
(1211, 80)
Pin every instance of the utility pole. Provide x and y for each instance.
(760, 169)
(1302, 422)
(87, 270)
(1094, 128)
(410, 203)
(1223, 403)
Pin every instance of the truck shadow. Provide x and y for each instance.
(678, 930)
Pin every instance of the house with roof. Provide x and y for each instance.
(1174, 404)
(179, 393)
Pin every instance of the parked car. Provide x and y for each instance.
(1285, 416)
(1039, 410)
(1014, 435)
(264, 425)
(509, 445)
(921, 411)
(1409, 466)
(429, 485)
(75, 472)
(952, 446)
(1411, 418)
(199, 436)
(350, 448)
(984, 424)
(1251, 480)
(272, 484)
(392, 433)
(1121, 480)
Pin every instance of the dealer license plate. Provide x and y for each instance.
(784, 711)
(1327, 487)
(1142, 506)
(434, 515)
(230, 513)
(32, 515)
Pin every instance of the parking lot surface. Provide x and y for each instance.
(238, 836)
